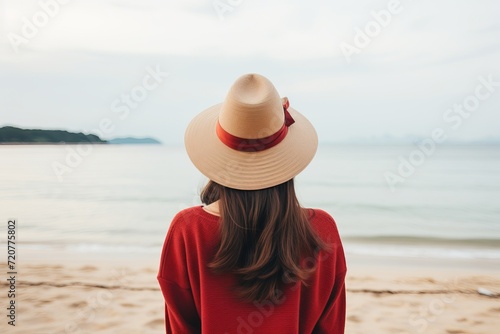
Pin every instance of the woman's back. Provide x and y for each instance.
(200, 301)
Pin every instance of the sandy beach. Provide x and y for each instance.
(90, 293)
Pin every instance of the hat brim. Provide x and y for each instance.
(249, 170)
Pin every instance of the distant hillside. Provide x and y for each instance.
(10, 134)
(130, 140)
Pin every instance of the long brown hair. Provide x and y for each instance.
(264, 235)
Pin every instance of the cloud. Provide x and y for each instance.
(288, 30)
(428, 57)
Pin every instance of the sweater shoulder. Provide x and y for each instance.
(327, 230)
(324, 224)
(185, 215)
(322, 217)
(190, 218)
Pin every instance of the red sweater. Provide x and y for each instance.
(198, 301)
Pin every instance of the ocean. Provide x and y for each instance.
(121, 198)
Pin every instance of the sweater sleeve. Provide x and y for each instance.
(332, 320)
(181, 315)
(180, 311)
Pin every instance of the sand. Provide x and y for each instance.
(94, 293)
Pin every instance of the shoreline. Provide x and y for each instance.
(151, 256)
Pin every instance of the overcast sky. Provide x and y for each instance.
(71, 64)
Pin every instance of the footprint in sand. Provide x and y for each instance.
(41, 302)
(155, 323)
(78, 304)
(397, 304)
(88, 268)
(128, 305)
(60, 296)
(354, 318)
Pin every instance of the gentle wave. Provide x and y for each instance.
(366, 249)
(402, 251)
(424, 241)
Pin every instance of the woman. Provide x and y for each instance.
(251, 259)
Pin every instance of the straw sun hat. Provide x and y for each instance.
(253, 140)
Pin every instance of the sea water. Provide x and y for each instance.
(121, 198)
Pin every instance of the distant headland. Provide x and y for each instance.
(13, 135)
